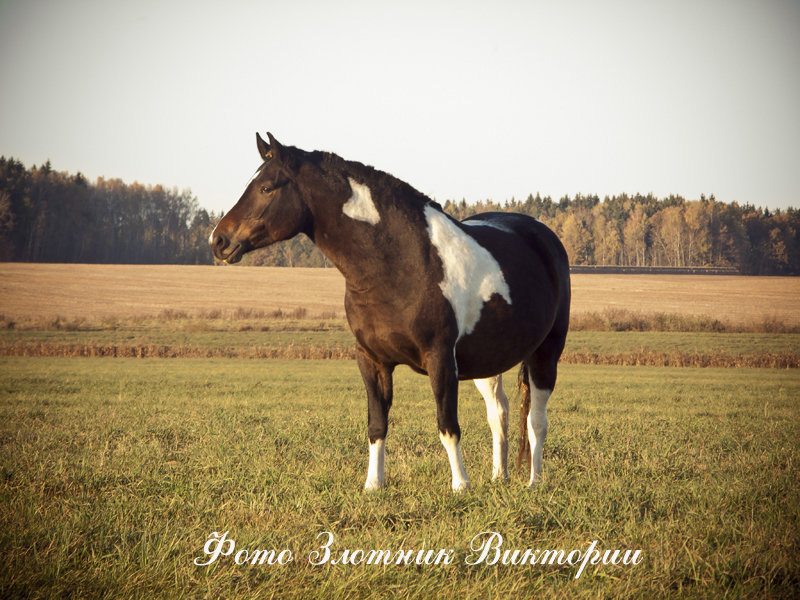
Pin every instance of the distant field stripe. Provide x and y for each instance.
(76, 350)
(649, 358)
(677, 358)
(122, 291)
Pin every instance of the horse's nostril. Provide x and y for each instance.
(218, 241)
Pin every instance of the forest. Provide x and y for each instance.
(47, 216)
(50, 216)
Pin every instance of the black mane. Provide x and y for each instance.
(384, 184)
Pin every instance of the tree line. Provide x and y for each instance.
(48, 216)
(646, 231)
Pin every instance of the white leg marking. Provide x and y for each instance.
(471, 273)
(453, 447)
(376, 477)
(360, 205)
(537, 430)
(497, 414)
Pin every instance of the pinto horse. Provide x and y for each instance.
(452, 300)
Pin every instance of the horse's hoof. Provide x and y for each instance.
(373, 486)
(462, 487)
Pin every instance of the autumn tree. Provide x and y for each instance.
(635, 237)
(607, 238)
(697, 219)
(577, 238)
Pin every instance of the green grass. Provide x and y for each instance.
(197, 333)
(240, 335)
(113, 474)
(604, 342)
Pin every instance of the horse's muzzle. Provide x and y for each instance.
(225, 249)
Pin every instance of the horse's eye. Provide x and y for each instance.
(264, 189)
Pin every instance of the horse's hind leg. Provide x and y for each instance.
(497, 414)
(537, 429)
(542, 369)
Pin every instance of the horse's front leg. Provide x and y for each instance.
(443, 371)
(378, 381)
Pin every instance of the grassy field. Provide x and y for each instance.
(114, 473)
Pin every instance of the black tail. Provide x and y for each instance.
(523, 384)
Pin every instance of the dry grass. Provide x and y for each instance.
(621, 319)
(97, 292)
(637, 358)
(732, 299)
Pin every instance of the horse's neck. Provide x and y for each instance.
(370, 254)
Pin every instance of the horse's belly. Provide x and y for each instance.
(481, 358)
(500, 341)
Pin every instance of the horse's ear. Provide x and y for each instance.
(275, 146)
(263, 147)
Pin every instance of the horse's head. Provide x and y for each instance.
(270, 210)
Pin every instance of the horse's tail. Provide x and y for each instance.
(523, 384)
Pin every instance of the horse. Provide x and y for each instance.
(453, 300)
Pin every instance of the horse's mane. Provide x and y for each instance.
(383, 184)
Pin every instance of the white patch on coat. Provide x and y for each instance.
(376, 477)
(360, 205)
(453, 447)
(471, 274)
(493, 224)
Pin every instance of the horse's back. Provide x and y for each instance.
(535, 233)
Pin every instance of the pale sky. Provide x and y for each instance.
(461, 99)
